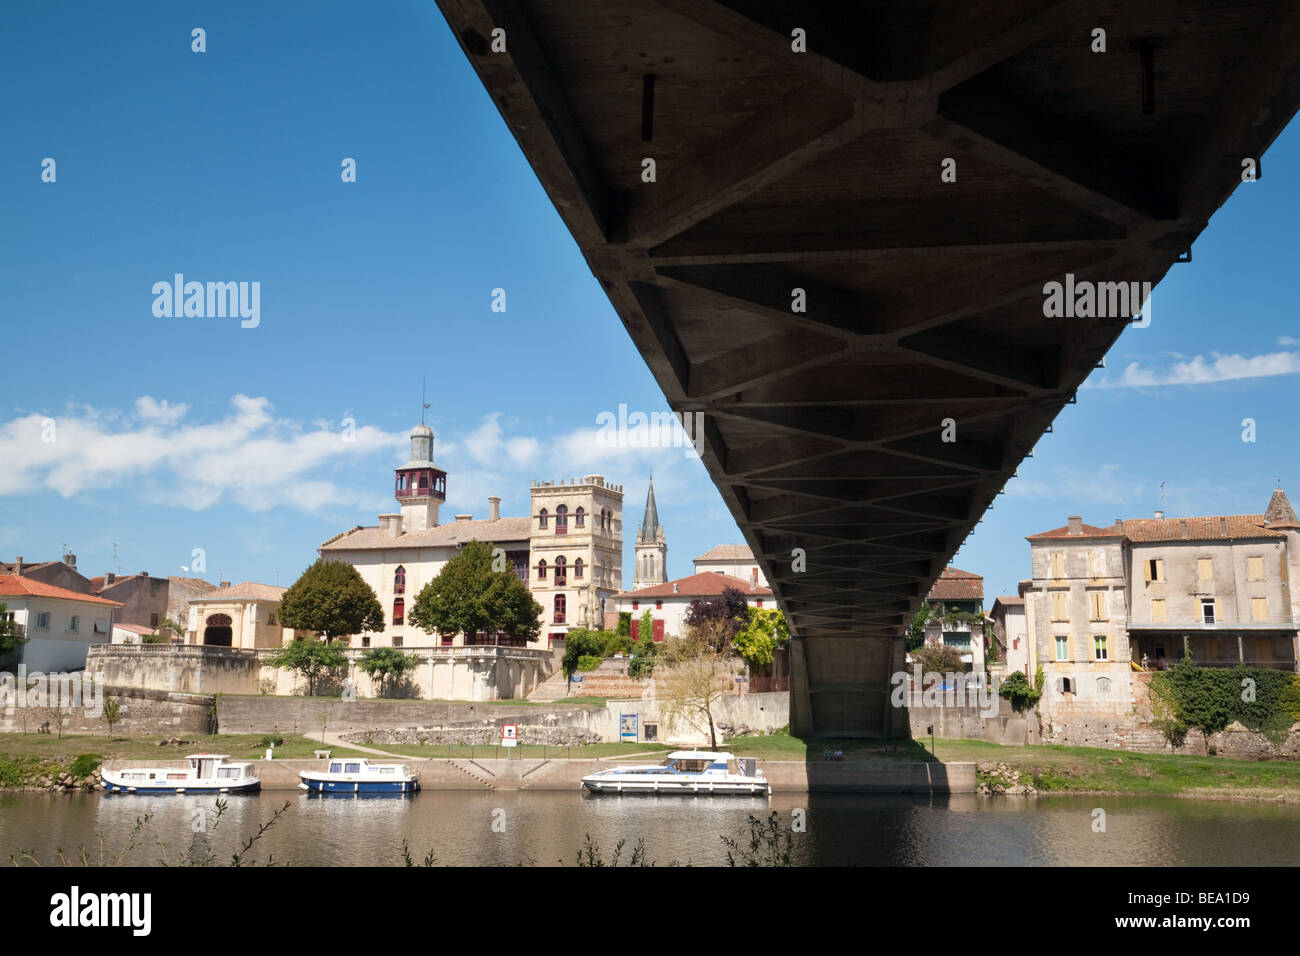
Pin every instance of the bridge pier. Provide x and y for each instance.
(840, 686)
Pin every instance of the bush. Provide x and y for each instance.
(1017, 690)
(1289, 699)
(83, 765)
(1209, 699)
(642, 665)
(582, 642)
(588, 662)
(624, 624)
(269, 741)
(939, 659)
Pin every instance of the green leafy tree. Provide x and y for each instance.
(1016, 688)
(645, 630)
(386, 663)
(332, 599)
(765, 630)
(624, 628)
(112, 713)
(11, 634)
(309, 658)
(468, 597)
(166, 633)
(939, 659)
(916, 627)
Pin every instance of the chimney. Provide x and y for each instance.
(464, 517)
(1223, 527)
(109, 578)
(1182, 527)
(674, 587)
(1076, 524)
(144, 574)
(390, 525)
(1160, 514)
(70, 560)
(224, 584)
(494, 507)
(1119, 524)
(18, 566)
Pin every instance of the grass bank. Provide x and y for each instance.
(1055, 769)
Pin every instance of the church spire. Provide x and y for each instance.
(650, 523)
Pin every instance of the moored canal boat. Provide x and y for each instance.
(700, 772)
(206, 773)
(356, 775)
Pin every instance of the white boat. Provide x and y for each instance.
(356, 775)
(207, 773)
(683, 771)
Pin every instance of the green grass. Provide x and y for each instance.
(50, 749)
(523, 751)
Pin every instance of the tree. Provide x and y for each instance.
(383, 663)
(765, 630)
(332, 599)
(112, 713)
(645, 630)
(11, 634)
(468, 597)
(309, 658)
(916, 627)
(697, 674)
(939, 659)
(166, 633)
(719, 617)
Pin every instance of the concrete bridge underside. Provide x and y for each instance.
(778, 170)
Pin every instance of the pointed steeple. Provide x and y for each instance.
(1280, 514)
(650, 523)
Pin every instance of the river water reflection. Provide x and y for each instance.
(522, 827)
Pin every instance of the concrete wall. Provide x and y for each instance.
(566, 775)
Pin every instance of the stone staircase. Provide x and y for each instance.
(555, 687)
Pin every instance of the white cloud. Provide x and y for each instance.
(1288, 341)
(1200, 371)
(150, 409)
(1103, 485)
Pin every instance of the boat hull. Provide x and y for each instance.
(687, 787)
(353, 787)
(181, 787)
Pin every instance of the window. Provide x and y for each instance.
(1207, 610)
(1058, 564)
(1259, 609)
(1062, 648)
(577, 568)
(43, 620)
(760, 602)
(558, 617)
(399, 611)
(659, 605)
(1255, 569)
(1097, 600)
(153, 620)
(1059, 612)
(541, 570)
(579, 518)
(399, 580)
(1158, 612)
(1155, 569)
(74, 622)
(365, 641)
(562, 519)
(1103, 685)
(1065, 685)
(1100, 647)
(1096, 564)
(397, 640)
(561, 565)
(636, 605)
(542, 518)
(1205, 569)
(270, 618)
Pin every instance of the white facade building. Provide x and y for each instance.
(60, 625)
(735, 560)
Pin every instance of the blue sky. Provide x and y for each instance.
(178, 433)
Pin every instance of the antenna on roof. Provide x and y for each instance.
(1162, 496)
(116, 567)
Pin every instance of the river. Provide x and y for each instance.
(509, 828)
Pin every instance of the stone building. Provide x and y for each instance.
(568, 550)
(668, 602)
(60, 574)
(143, 598)
(1144, 591)
(736, 560)
(958, 592)
(1011, 631)
(245, 616)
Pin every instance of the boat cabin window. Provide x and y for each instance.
(352, 768)
(336, 768)
(692, 766)
(228, 772)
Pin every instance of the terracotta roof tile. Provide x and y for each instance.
(728, 552)
(1089, 531)
(248, 590)
(1205, 528)
(14, 585)
(456, 532)
(957, 585)
(704, 584)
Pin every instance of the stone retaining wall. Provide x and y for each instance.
(143, 713)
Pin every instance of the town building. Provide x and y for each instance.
(244, 616)
(143, 598)
(1011, 632)
(651, 556)
(62, 573)
(1146, 591)
(59, 624)
(669, 602)
(568, 550)
(735, 560)
(958, 592)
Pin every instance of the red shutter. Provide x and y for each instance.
(636, 628)
(659, 631)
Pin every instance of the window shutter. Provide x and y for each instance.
(1218, 610)
(1146, 569)
(1160, 569)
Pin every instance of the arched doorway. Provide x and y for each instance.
(218, 631)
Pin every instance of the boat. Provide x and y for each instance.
(683, 771)
(356, 775)
(207, 773)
